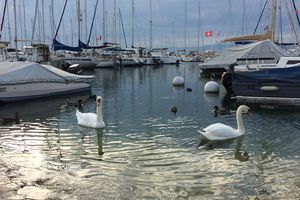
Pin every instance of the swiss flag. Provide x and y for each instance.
(208, 33)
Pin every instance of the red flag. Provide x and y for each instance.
(208, 34)
(297, 11)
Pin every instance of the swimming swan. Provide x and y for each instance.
(220, 131)
(91, 119)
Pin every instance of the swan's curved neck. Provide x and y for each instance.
(99, 113)
(239, 120)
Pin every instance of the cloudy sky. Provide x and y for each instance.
(224, 18)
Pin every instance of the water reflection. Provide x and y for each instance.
(89, 134)
(237, 142)
(150, 153)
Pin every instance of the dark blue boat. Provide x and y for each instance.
(276, 84)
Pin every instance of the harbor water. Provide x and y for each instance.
(145, 151)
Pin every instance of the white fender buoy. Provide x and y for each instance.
(178, 81)
(211, 86)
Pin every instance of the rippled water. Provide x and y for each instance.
(145, 151)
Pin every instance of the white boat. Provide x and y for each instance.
(115, 57)
(256, 64)
(84, 59)
(37, 53)
(164, 56)
(27, 80)
(3, 52)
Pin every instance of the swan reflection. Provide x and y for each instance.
(91, 132)
(238, 154)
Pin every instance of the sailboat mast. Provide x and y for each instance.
(52, 19)
(15, 21)
(173, 35)
(230, 20)
(150, 24)
(78, 18)
(2, 20)
(185, 26)
(85, 20)
(200, 30)
(34, 20)
(273, 19)
(132, 25)
(24, 20)
(43, 22)
(115, 22)
(104, 24)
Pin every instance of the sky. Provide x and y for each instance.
(224, 18)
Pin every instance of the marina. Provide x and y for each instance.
(149, 99)
(145, 151)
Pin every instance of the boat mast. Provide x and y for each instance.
(78, 19)
(52, 19)
(2, 20)
(85, 17)
(24, 20)
(15, 21)
(8, 25)
(103, 18)
(150, 24)
(115, 23)
(43, 22)
(230, 20)
(173, 35)
(200, 30)
(273, 19)
(293, 29)
(184, 26)
(132, 25)
(123, 30)
(34, 19)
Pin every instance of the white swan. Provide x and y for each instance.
(91, 119)
(220, 131)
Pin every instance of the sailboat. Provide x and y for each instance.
(68, 54)
(260, 50)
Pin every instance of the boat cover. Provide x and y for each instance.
(262, 49)
(275, 75)
(59, 46)
(30, 72)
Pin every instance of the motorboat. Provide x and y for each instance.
(272, 86)
(28, 80)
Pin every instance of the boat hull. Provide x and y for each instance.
(268, 85)
(20, 92)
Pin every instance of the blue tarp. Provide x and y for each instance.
(59, 46)
(274, 75)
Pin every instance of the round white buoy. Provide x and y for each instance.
(178, 81)
(211, 86)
